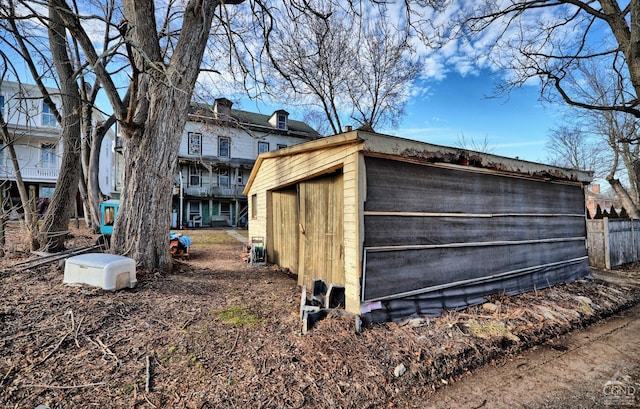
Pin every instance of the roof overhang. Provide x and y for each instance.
(393, 147)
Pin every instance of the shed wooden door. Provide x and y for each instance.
(321, 234)
(283, 249)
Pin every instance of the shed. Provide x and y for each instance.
(414, 228)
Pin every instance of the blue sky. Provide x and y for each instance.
(452, 100)
(516, 125)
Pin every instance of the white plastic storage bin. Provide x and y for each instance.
(108, 271)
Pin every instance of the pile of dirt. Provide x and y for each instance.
(217, 332)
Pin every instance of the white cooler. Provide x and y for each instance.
(108, 271)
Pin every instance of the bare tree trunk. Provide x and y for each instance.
(93, 168)
(146, 201)
(624, 197)
(28, 204)
(91, 149)
(635, 182)
(3, 219)
(631, 166)
(160, 96)
(56, 222)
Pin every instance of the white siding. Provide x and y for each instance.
(243, 144)
(22, 110)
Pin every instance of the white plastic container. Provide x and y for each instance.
(108, 271)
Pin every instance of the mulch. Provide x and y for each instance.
(218, 333)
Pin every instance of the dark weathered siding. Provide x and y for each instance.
(429, 228)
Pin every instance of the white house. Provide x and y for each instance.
(35, 135)
(218, 150)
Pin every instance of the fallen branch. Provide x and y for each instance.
(149, 402)
(233, 347)
(147, 382)
(105, 349)
(56, 348)
(86, 385)
(25, 334)
(7, 375)
(75, 336)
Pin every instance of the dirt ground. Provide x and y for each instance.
(218, 333)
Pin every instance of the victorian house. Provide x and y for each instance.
(218, 150)
(35, 135)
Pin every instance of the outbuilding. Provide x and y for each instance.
(414, 228)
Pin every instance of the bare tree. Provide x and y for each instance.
(28, 37)
(572, 147)
(560, 43)
(472, 144)
(550, 41)
(605, 140)
(164, 44)
(56, 222)
(350, 66)
(163, 70)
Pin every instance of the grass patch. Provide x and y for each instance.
(208, 238)
(490, 330)
(238, 316)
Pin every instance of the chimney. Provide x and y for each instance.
(595, 188)
(348, 128)
(222, 106)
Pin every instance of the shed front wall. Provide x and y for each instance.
(274, 194)
(440, 237)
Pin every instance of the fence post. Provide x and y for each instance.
(633, 241)
(607, 255)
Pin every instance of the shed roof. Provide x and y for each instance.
(376, 144)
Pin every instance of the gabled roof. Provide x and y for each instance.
(255, 121)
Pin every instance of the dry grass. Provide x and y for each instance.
(219, 333)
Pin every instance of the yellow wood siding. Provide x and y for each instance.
(278, 172)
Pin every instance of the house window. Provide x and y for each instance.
(240, 179)
(195, 214)
(48, 156)
(224, 150)
(1, 154)
(48, 119)
(282, 121)
(223, 177)
(195, 175)
(254, 206)
(281, 146)
(263, 147)
(195, 143)
(2, 107)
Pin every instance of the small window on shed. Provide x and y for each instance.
(254, 206)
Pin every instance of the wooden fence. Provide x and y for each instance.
(613, 242)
